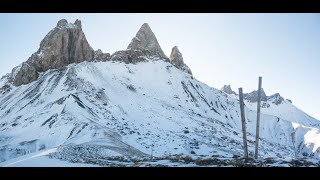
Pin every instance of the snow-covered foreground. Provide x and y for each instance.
(97, 110)
(44, 158)
(41, 159)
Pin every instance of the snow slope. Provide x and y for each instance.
(287, 111)
(41, 159)
(112, 109)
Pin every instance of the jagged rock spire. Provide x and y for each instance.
(78, 23)
(176, 57)
(145, 40)
(66, 44)
(177, 60)
(63, 45)
(227, 89)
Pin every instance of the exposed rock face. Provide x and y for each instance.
(63, 45)
(142, 47)
(5, 89)
(227, 89)
(276, 99)
(253, 96)
(100, 56)
(146, 41)
(177, 60)
(25, 74)
(130, 56)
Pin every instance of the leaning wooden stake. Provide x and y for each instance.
(243, 120)
(258, 118)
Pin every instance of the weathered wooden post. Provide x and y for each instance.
(258, 118)
(243, 120)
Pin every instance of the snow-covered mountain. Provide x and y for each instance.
(134, 104)
(275, 105)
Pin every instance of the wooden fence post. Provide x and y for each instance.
(243, 120)
(258, 118)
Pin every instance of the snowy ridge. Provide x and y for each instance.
(286, 111)
(140, 110)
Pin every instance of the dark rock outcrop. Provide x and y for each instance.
(63, 45)
(253, 96)
(5, 89)
(265, 105)
(177, 60)
(130, 56)
(276, 99)
(24, 74)
(100, 56)
(227, 89)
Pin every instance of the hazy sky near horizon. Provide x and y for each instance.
(219, 48)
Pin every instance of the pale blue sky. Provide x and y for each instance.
(219, 48)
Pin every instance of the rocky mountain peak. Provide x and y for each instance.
(78, 23)
(62, 23)
(145, 40)
(63, 45)
(176, 57)
(276, 99)
(253, 96)
(177, 60)
(227, 89)
(145, 27)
